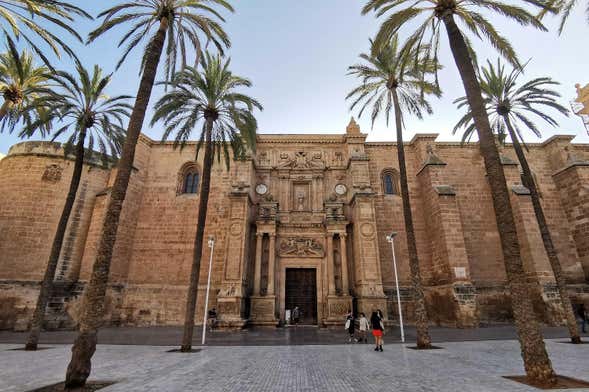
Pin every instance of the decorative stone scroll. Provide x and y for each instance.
(300, 247)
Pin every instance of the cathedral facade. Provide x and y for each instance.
(302, 222)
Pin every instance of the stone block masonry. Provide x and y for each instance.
(320, 203)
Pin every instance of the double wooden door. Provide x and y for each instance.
(301, 291)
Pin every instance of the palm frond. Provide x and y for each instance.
(186, 23)
(507, 99)
(209, 92)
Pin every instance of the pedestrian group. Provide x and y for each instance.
(376, 323)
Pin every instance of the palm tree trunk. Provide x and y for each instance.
(536, 360)
(421, 320)
(198, 240)
(47, 283)
(93, 300)
(529, 183)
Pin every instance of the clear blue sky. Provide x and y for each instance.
(297, 53)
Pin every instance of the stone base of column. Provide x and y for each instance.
(453, 305)
(549, 310)
(337, 308)
(466, 306)
(262, 311)
(367, 305)
(229, 311)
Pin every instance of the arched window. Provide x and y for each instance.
(188, 179)
(389, 182)
(191, 182)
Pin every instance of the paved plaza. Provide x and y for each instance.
(300, 335)
(459, 366)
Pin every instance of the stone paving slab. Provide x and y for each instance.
(460, 366)
(169, 336)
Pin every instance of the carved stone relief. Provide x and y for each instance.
(52, 173)
(301, 160)
(338, 309)
(300, 247)
(301, 199)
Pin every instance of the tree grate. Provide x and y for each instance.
(562, 382)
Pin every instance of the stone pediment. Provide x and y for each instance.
(300, 247)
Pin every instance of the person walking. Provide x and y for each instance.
(350, 325)
(212, 319)
(377, 329)
(363, 326)
(296, 314)
(582, 317)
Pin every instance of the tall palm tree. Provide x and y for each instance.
(564, 9)
(82, 109)
(24, 19)
(213, 100)
(509, 105)
(437, 13)
(181, 22)
(392, 80)
(21, 82)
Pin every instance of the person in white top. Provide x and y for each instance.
(363, 327)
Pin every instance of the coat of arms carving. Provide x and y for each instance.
(302, 160)
(52, 173)
(300, 247)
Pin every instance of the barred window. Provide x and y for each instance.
(191, 182)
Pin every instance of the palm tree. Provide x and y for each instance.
(180, 22)
(435, 13)
(21, 82)
(508, 104)
(19, 19)
(227, 122)
(391, 80)
(83, 110)
(563, 8)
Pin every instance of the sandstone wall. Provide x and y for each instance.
(34, 181)
(457, 240)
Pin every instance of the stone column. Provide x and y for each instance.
(330, 265)
(258, 265)
(344, 258)
(271, 263)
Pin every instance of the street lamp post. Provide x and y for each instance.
(204, 322)
(391, 239)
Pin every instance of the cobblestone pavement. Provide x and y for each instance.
(167, 336)
(459, 366)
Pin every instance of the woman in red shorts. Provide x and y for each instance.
(377, 329)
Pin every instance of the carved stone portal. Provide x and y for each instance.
(300, 247)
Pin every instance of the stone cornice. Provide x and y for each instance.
(571, 165)
(55, 150)
(330, 138)
(301, 138)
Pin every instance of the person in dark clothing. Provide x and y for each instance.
(377, 329)
(350, 324)
(212, 319)
(582, 317)
(296, 314)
